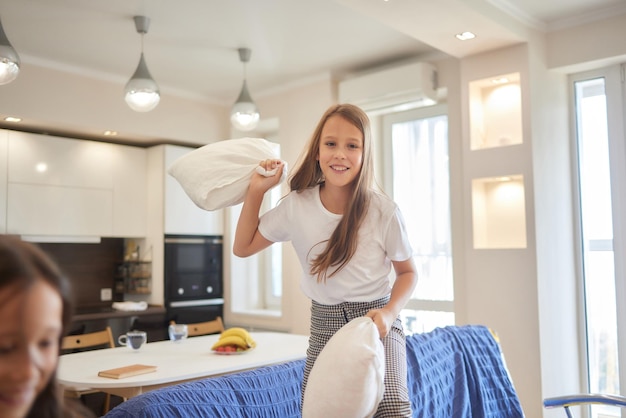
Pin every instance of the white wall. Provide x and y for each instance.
(593, 45)
(41, 95)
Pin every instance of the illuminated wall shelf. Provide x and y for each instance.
(498, 212)
(495, 111)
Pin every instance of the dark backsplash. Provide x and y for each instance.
(90, 267)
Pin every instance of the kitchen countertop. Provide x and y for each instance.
(90, 313)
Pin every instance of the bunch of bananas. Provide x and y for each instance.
(234, 339)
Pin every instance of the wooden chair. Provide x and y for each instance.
(203, 328)
(92, 340)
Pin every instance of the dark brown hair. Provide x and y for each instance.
(21, 265)
(342, 243)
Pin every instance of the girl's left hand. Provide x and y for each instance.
(383, 319)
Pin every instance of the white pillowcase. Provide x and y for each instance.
(347, 379)
(217, 175)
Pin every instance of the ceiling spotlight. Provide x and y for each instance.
(142, 92)
(464, 36)
(244, 115)
(9, 60)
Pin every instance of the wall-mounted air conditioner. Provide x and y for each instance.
(403, 87)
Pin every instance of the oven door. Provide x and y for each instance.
(193, 268)
(188, 312)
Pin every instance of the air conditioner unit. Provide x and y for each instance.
(406, 86)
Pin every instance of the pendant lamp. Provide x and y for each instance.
(142, 92)
(244, 115)
(9, 60)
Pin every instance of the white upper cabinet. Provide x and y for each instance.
(129, 193)
(54, 161)
(59, 211)
(68, 187)
(182, 216)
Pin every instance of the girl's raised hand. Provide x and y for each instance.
(263, 182)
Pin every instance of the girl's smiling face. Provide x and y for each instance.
(29, 344)
(340, 152)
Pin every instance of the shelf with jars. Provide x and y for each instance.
(135, 277)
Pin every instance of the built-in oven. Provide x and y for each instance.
(193, 278)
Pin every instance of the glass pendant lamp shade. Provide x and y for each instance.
(244, 115)
(142, 92)
(9, 60)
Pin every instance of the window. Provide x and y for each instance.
(417, 157)
(599, 159)
(257, 280)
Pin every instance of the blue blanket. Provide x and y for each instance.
(459, 372)
(453, 372)
(272, 391)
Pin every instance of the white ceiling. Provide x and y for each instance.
(191, 45)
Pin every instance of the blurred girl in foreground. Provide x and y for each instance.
(35, 310)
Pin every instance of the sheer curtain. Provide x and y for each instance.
(421, 187)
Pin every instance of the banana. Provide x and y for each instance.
(231, 340)
(239, 332)
(235, 331)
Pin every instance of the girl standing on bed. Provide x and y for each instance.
(347, 237)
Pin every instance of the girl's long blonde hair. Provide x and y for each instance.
(342, 243)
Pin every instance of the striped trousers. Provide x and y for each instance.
(327, 319)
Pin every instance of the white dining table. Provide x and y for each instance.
(175, 362)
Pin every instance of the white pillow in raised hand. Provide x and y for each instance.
(217, 175)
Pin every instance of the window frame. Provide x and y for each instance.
(615, 96)
(387, 120)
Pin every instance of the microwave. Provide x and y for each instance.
(193, 269)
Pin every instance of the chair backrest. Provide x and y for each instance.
(93, 339)
(203, 328)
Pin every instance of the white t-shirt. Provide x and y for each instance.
(302, 219)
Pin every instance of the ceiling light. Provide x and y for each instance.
(464, 36)
(142, 92)
(244, 115)
(109, 133)
(12, 119)
(9, 60)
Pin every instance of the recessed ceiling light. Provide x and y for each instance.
(12, 119)
(110, 133)
(464, 36)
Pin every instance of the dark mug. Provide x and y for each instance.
(133, 339)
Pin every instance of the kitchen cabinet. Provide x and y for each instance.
(4, 161)
(129, 191)
(182, 216)
(58, 211)
(74, 188)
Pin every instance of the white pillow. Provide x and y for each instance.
(347, 379)
(217, 175)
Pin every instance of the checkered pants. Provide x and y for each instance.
(327, 319)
